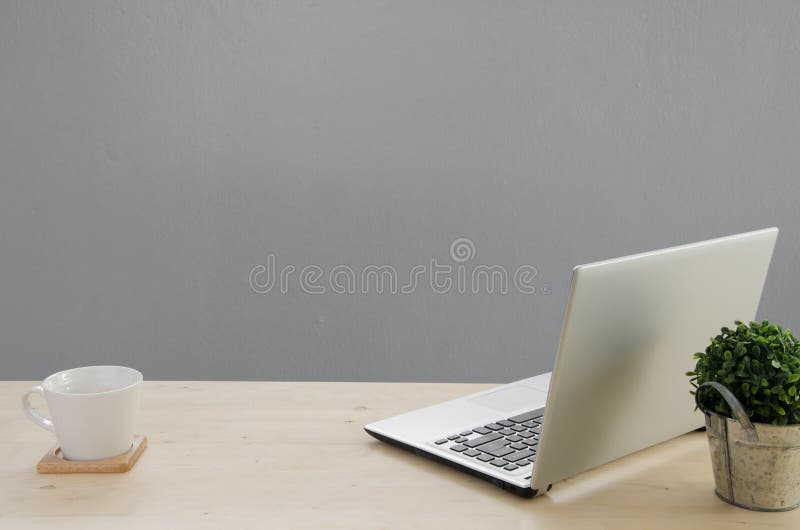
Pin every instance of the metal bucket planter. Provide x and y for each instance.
(756, 466)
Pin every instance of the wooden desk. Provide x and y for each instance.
(294, 455)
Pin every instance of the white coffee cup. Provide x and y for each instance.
(93, 410)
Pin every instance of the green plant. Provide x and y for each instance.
(760, 364)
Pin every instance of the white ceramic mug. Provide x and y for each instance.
(93, 410)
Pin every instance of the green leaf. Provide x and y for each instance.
(760, 363)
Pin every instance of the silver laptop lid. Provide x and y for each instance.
(631, 327)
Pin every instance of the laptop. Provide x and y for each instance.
(618, 384)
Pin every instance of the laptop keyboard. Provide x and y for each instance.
(508, 444)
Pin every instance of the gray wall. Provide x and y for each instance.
(152, 154)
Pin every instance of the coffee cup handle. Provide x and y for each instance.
(34, 416)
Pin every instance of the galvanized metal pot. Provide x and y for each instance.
(756, 466)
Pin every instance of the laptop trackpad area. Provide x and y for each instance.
(511, 399)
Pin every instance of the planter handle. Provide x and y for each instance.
(736, 408)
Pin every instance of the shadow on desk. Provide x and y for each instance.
(666, 486)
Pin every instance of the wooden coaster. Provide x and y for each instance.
(54, 461)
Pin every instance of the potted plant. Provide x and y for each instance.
(747, 382)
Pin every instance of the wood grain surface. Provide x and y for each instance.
(239, 455)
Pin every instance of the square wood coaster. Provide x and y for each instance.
(54, 461)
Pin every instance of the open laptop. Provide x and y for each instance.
(631, 327)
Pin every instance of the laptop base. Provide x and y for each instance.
(513, 488)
